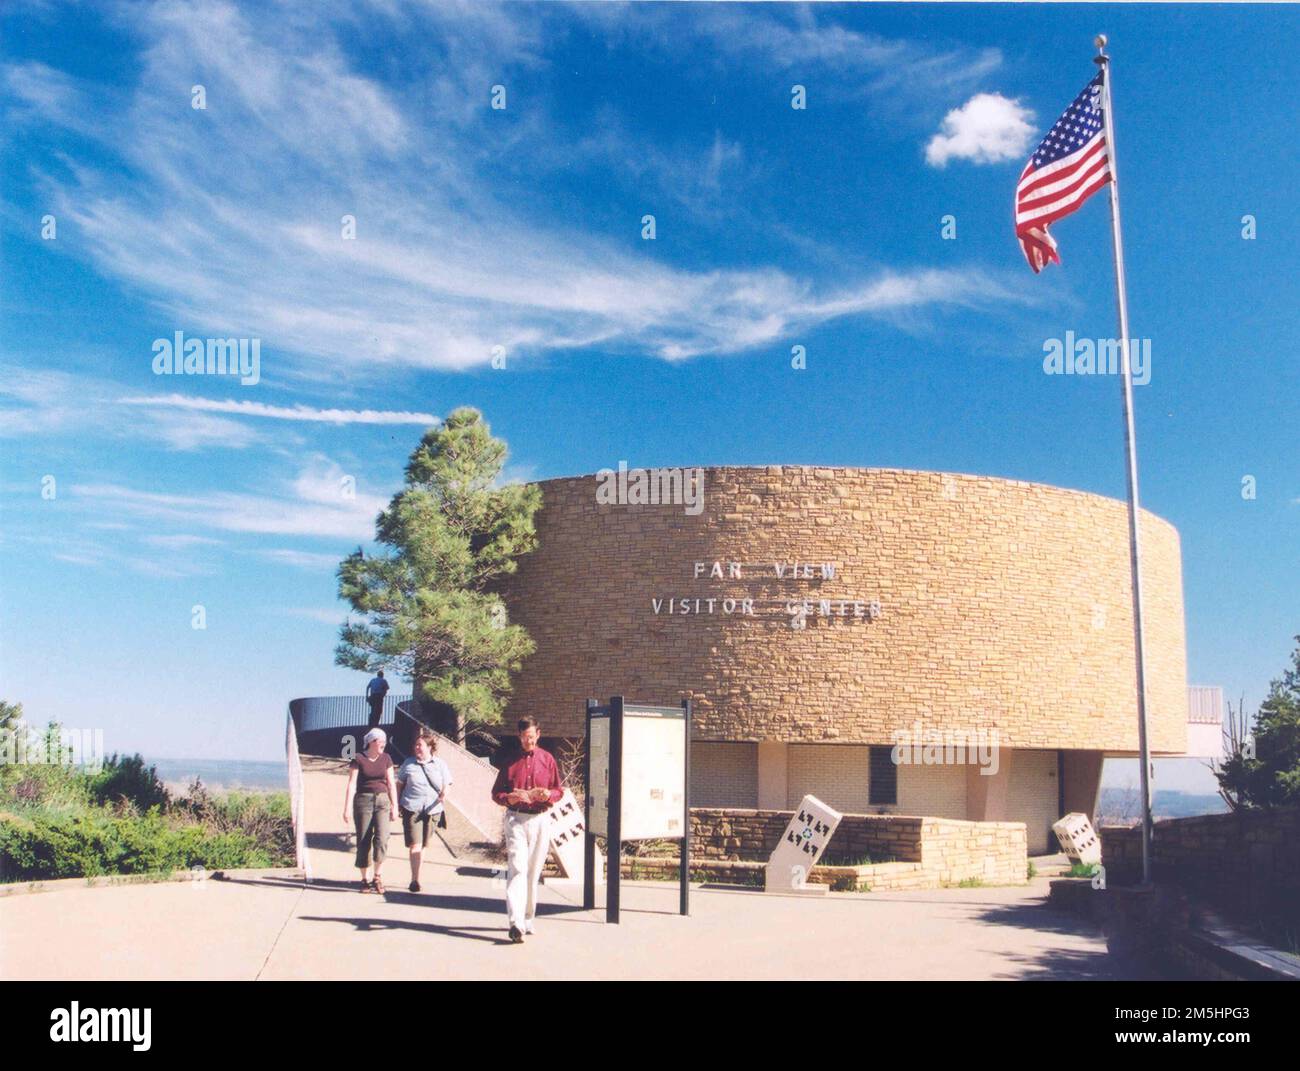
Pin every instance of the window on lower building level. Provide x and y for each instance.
(882, 777)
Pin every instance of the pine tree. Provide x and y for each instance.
(429, 606)
(11, 715)
(1270, 776)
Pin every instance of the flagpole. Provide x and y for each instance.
(1130, 450)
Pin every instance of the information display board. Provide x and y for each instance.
(654, 772)
(637, 758)
(653, 775)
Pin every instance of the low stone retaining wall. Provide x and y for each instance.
(1247, 862)
(750, 835)
(881, 852)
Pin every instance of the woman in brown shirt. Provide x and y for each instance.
(371, 802)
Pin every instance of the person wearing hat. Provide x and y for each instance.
(371, 802)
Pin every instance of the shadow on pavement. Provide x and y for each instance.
(332, 842)
(469, 933)
(495, 905)
(1039, 916)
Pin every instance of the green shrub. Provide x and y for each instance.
(264, 816)
(128, 778)
(46, 786)
(97, 841)
(59, 821)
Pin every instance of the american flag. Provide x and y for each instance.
(1070, 164)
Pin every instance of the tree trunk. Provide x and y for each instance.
(440, 717)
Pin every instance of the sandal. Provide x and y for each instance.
(365, 886)
(378, 886)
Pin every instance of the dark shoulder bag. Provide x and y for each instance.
(442, 815)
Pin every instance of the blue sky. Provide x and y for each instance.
(521, 228)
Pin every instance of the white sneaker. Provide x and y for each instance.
(528, 928)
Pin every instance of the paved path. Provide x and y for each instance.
(276, 927)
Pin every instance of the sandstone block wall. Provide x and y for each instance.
(1004, 606)
(1248, 861)
(906, 852)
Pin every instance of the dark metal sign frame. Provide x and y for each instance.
(615, 711)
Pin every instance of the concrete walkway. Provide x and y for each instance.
(278, 927)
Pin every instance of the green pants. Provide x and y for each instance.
(370, 812)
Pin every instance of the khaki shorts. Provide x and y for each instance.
(409, 821)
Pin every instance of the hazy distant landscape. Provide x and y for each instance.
(1124, 804)
(223, 773)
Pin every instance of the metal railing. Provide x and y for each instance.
(317, 725)
(1204, 704)
(297, 800)
(315, 713)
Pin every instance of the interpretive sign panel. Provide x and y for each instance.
(636, 776)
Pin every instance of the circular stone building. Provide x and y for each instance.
(890, 641)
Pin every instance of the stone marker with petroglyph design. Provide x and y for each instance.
(801, 845)
(1078, 839)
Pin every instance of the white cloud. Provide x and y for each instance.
(75, 550)
(325, 617)
(302, 559)
(799, 38)
(191, 432)
(42, 402)
(180, 541)
(282, 412)
(230, 217)
(318, 503)
(988, 129)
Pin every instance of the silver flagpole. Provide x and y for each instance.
(1130, 450)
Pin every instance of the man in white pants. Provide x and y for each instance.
(527, 788)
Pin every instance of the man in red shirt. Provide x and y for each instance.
(527, 788)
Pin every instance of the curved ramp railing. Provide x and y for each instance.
(297, 801)
(324, 721)
(317, 726)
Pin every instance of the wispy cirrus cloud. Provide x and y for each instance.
(802, 38)
(320, 502)
(42, 402)
(282, 412)
(37, 402)
(180, 541)
(324, 617)
(87, 553)
(238, 207)
(301, 559)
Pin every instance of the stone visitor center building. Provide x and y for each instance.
(894, 642)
